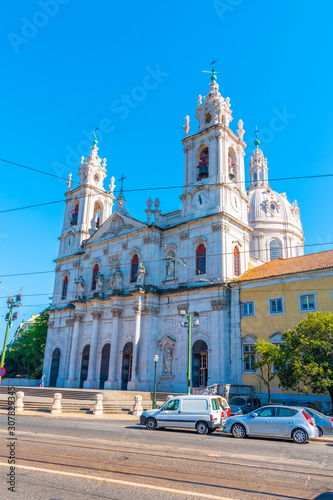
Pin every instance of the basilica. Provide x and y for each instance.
(121, 283)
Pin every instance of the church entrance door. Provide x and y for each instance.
(54, 367)
(126, 372)
(105, 361)
(84, 365)
(199, 364)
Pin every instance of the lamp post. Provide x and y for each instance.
(10, 317)
(154, 400)
(188, 324)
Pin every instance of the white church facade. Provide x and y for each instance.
(120, 283)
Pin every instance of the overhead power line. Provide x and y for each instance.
(159, 188)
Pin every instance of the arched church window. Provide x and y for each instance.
(236, 261)
(203, 164)
(97, 214)
(255, 178)
(274, 249)
(298, 250)
(134, 268)
(201, 259)
(64, 288)
(74, 214)
(232, 164)
(94, 277)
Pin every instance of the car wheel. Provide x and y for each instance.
(238, 431)
(151, 424)
(320, 431)
(299, 436)
(202, 428)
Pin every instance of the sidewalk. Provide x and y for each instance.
(77, 415)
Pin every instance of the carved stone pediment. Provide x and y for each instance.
(117, 225)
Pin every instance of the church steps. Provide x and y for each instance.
(87, 394)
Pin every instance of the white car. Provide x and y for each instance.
(202, 413)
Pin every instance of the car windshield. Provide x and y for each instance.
(238, 401)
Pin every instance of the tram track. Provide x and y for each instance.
(176, 476)
(302, 469)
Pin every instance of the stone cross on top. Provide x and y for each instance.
(122, 178)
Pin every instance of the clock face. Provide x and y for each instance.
(200, 199)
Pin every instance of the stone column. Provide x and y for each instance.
(261, 247)
(219, 157)
(148, 345)
(111, 382)
(63, 371)
(135, 360)
(219, 340)
(73, 360)
(91, 379)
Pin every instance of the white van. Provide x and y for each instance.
(202, 413)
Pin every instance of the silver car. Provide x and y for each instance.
(323, 422)
(274, 421)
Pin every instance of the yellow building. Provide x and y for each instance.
(276, 296)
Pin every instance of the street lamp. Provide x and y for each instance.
(154, 400)
(10, 317)
(187, 324)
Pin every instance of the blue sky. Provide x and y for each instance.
(68, 64)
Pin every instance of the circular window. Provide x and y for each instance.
(272, 207)
(208, 118)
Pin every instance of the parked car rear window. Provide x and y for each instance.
(194, 404)
(306, 412)
(238, 401)
(171, 405)
(286, 412)
(215, 404)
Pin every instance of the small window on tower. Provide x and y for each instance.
(208, 118)
(73, 214)
(232, 164)
(203, 164)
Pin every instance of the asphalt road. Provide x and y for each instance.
(60, 459)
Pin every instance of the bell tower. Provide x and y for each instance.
(88, 205)
(214, 178)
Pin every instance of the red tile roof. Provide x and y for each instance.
(280, 267)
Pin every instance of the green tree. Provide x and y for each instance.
(306, 361)
(267, 355)
(25, 353)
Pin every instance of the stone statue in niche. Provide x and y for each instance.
(115, 281)
(80, 284)
(141, 274)
(171, 271)
(168, 362)
(99, 282)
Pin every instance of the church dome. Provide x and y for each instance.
(275, 223)
(269, 207)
